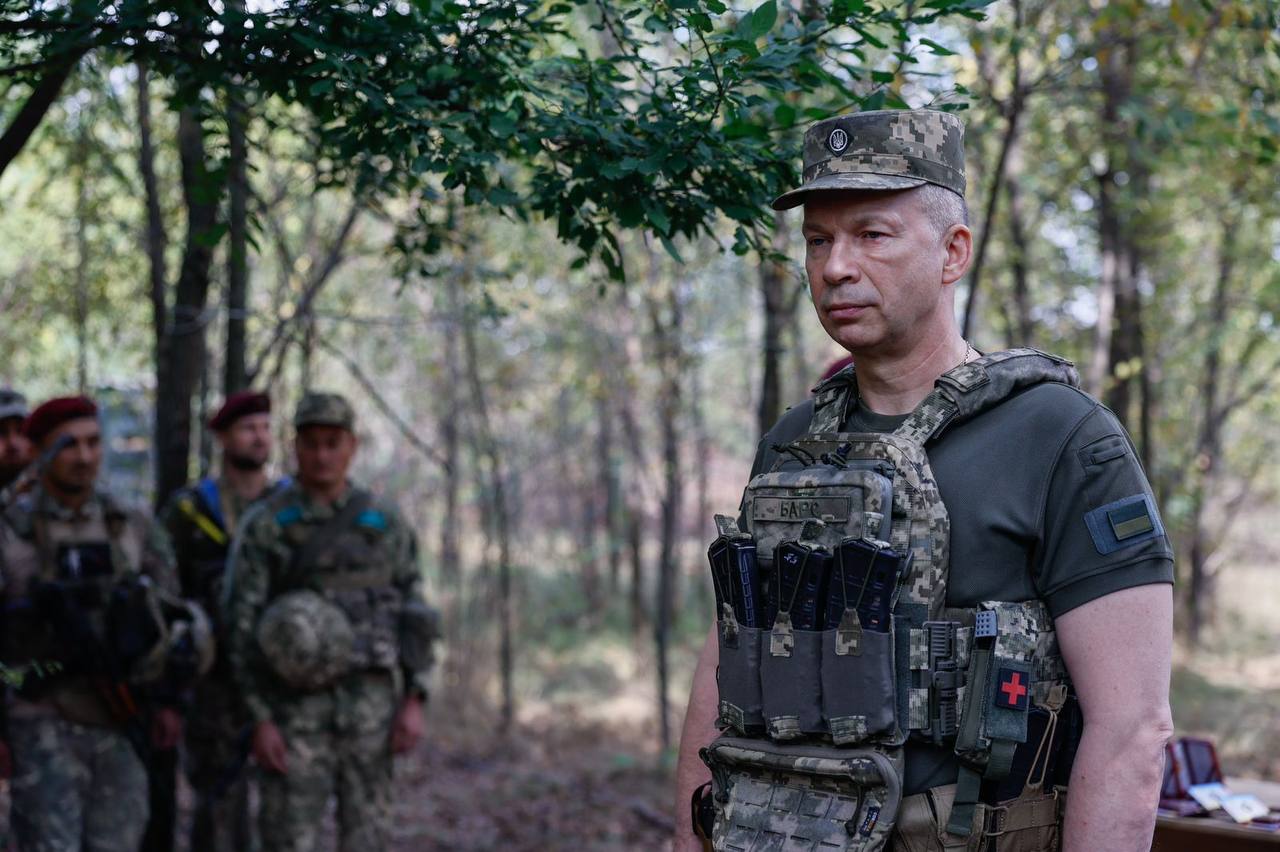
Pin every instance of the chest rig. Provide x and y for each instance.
(346, 558)
(837, 645)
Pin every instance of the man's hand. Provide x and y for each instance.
(407, 727)
(269, 748)
(6, 761)
(166, 729)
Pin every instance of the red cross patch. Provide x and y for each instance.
(1013, 688)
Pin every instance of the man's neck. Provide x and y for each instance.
(245, 484)
(897, 383)
(325, 495)
(72, 502)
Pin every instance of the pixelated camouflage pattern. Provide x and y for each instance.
(814, 798)
(885, 150)
(337, 747)
(138, 547)
(261, 569)
(305, 639)
(324, 409)
(75, 787)
(1027, 635)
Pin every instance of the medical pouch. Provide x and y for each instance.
(771, 797)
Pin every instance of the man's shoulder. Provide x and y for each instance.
(793, 423)
(379, 513)
(272, 512)
(1046, 410)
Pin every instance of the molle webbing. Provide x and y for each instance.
(959, 394)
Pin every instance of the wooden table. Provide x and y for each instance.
(1200, 834)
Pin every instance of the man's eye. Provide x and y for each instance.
(873, 235)
(817, 242)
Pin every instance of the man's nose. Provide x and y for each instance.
(842, 263)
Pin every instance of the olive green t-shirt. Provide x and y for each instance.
(1047, 500)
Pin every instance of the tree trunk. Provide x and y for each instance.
(609, 485)
(81, 311)
(778, 292)
(450, 411)
(1200, 592)
(1012, 109)
(34, 109)
(157, 240)
(183, 348)
(499, 518)
(1019, 249)
(235, 376)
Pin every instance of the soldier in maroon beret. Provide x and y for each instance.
(77, 779)
(15, 446)
(201, 519)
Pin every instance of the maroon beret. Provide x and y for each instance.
(52, 414)
(239, 405)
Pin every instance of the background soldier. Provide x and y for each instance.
(72, 557)
(201, 520)
(15, 448)
(329, 641)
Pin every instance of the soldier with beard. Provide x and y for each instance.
(72, 724)
(15, 449)
(201, 520)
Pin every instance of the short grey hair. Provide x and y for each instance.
(943, 207)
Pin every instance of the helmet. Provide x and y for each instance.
(156, 636)
(306, 640)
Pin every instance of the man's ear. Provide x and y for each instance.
(957, 243)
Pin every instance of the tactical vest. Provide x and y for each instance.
(837, 645)
(85, 559)
(349, 564)
(203, 560)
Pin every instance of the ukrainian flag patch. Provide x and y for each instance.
(1124, 523)
(372, 519)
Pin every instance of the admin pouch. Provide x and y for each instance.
(848, 648)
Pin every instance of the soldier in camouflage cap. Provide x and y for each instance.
(1039, 525)
(329, 729)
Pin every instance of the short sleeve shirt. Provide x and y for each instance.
(1047, 499)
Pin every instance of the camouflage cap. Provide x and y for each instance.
(12, 404)
(324, 409)
(885, 149)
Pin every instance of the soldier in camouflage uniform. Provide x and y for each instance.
(321, 559)
(15, 448)
(78, 783)
(1023, 537)
(201, 520)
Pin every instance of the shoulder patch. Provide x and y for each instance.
(289, 515)
(372, 519)
(1124, 523)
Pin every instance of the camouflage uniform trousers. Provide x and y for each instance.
(75, 787)
(217, 744)
(338, 744)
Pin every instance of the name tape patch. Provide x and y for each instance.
(801, 509)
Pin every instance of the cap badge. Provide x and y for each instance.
(838, 141)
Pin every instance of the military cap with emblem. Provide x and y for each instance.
(881, 150)
(324, 409)
(12, 404)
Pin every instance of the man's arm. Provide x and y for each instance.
(699, 730)
(1118, 649)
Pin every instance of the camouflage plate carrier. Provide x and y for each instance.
(814, 721)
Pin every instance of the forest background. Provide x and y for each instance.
(531, 242)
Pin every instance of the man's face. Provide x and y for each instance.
(324, 455)
(246, 443)
(74, 468)
(876, 267)
(15, 449)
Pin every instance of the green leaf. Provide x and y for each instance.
(784, 115)
(671, 249)
(763, 18)
(936, 49)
